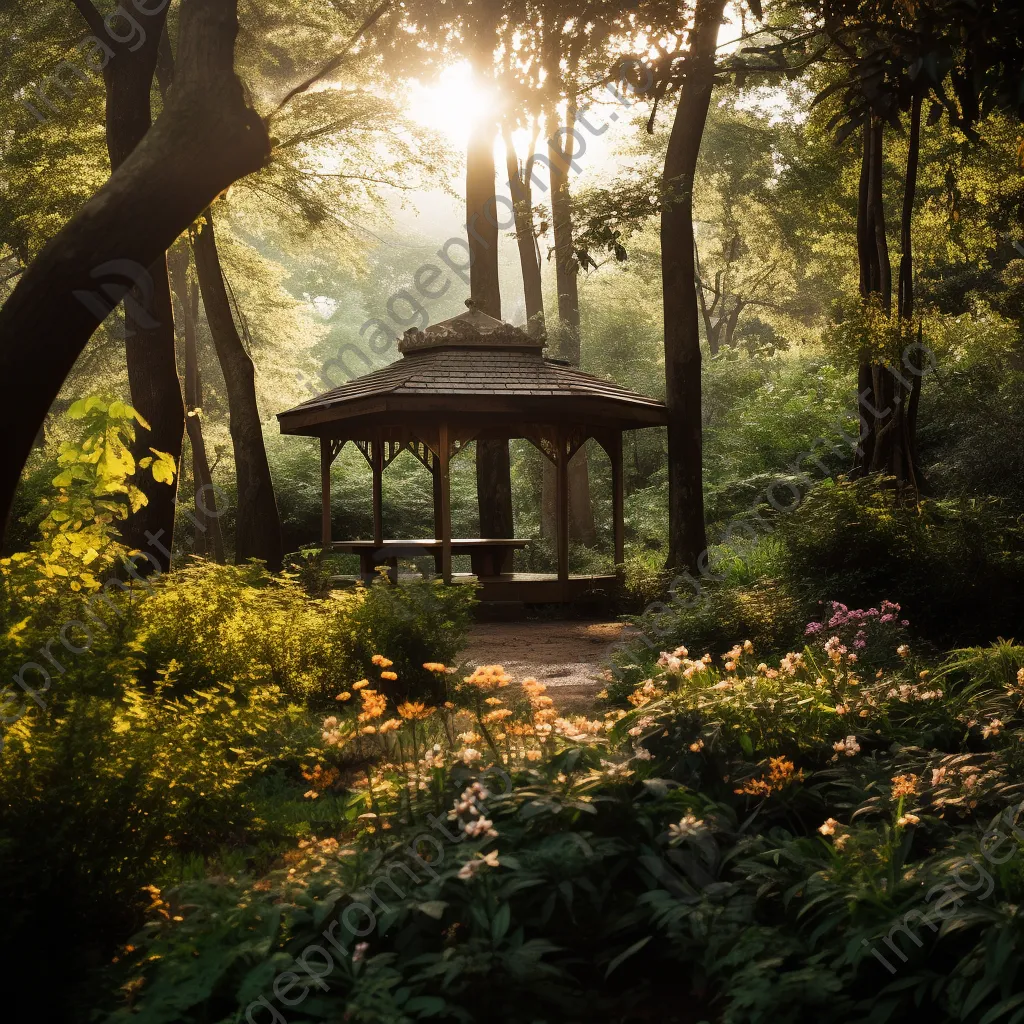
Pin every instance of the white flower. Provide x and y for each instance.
(470, 756)
(641, 753)
(829, 827)
(938, 774)
(993, 728)
(359, 952)
(471, 867)
(479, 827)
(903, 650)
(691, 825)
(849, 747)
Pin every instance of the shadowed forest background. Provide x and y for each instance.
(234, 787)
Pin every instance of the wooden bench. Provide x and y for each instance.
(488, 556)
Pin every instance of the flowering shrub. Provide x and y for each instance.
(596, 868)
(873, 634)
(404, 754)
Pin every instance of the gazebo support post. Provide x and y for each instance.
(435, 473)
(445, 505)
(562, 508)
(325, 492)
(377, 464)
(618, 496)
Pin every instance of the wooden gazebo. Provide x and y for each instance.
(467, 379)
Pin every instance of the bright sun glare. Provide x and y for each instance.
(449, 103)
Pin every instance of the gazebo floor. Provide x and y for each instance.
(525, 587)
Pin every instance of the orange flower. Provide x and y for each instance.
(374, 705)
(414, 711)
(435, 666)
(488, 677)
(389, 675)
(360, 684)
(379, 659)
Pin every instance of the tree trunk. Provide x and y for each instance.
(520, 179)
(905, 297)
(206, 138)
(581, 510)
(493, 468)
(887, 405)
(149, 314)
(209, 538)
(257, 523)
(687, 535)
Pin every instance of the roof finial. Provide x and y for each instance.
(472, 303)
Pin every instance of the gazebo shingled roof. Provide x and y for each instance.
(471, 365)
(471, 377)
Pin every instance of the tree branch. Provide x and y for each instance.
(336, 61)
(93, 18)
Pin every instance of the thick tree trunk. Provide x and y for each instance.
(149, 323)
(581, 511)
(687, 535)
(206, 138)
(149, 317)
(257, 522)
(209, 538)
(493, 468)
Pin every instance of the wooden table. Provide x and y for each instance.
(488, 556)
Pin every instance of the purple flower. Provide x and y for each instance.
(860, 644)
(812, 629)
(888, 617)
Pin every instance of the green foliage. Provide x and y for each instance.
(737, 833)
(418, 622)
(94, 491)
(859, 542)
(238, 624)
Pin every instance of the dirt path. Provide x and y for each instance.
(567, 656)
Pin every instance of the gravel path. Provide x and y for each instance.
(567, 656)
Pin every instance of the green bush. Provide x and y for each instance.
(106, 796)
(418, 622)
(955, 565)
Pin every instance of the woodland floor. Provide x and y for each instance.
(568, 656)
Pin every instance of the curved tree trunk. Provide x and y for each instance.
(493, 468)
(257, 523)
(209, 538)
(687, 535)
(149, 317)
(206, 138)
